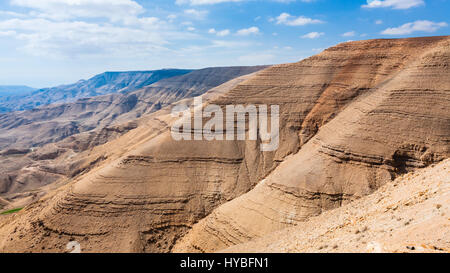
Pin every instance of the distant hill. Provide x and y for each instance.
(417, 223)
(102, 84)
(55, 122)
(11, 90)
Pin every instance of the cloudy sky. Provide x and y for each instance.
(49, 42)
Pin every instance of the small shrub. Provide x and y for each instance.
(11, 211)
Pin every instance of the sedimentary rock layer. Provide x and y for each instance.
(410, 214)
(53, 123)
(346, 117)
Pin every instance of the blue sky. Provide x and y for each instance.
(50, 42)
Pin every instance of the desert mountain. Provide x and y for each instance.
(395, 87)
(102, 84)
(410, 214)
(52, 123)
(76, 127)
(10, 90)
(346, 117)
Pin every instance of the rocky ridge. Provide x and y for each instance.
(345, 122)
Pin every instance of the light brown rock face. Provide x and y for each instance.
(346, 117)
(398, 124)
(152, 204)
(411, 214)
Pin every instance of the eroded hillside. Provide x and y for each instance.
(75, 127)
(411, 214)
(399, 125)
(102, 84)
(52, 123)
(346, 117)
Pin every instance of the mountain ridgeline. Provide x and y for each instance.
(102, 84)
(11, 90)
(52, 123)
(27, 163)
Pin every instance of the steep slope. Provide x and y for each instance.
(398, 126)
(411, 214)
(10, 90)
(106, 83)
(100, 120)
(345, 121)
(55, 122)
(150, 127)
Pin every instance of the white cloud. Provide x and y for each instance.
(379, 22)
(42, 36)
(395, 4)
(213, 45)
(229, 44)
(171, 17)
(289, 1)
(100, 28)
(204, 2)
(349, 34)
(7, 33)
(408, 28)
(12, 14)
(313, 35)
(196, 14)
(248, 31)
(289, 20)
(114, 10)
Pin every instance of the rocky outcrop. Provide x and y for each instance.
(37, 167)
